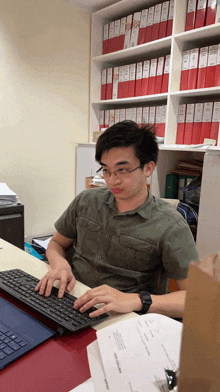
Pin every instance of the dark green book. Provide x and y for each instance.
(171, 186)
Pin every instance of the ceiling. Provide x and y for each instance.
(91, 5)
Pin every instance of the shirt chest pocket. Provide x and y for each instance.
(88, 233)
(138, 254)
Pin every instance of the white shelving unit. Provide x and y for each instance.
(173, 45)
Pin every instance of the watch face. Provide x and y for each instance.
(146, 300)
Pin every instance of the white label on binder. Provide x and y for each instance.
(198, 112)
(185, 60)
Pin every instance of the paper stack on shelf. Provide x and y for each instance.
(7, 196)
(132, 354)
(97, 180)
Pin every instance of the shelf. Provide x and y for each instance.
(203, 92)
(132, 101)
(202, 36)
(149, 49)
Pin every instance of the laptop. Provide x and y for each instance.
(19, 333)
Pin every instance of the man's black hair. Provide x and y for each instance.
(128, 133)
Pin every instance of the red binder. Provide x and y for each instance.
(163, 120)
(131, 84)
(217, 17)
(152, 77)
(128, 26)
(206, 121)
(117, 115)
(146, 74)
(126, 81)
(105, 39)
(217, 70)
(111, 117)
(215, 122)
(200, 14)
(158, 120)
(181, 124)
(190, 15)
(128, 114)
(212, 62)
(115, 83)
(116, 41)
(102, 120)
(122, 115)
(103, 84)
(159, 76)
(165, 82)
(193, 68)
(185, 71)
(146, 111)
(121, 81)
(139, 116)
(143, 25)
(139, 76)
(164, 20)
(190, 107)
(135, 29)
(133, 114)
(152, 115)
(211, 12)
(111, 37)
(170, 19)
(109, 85)
(197, 125)
(203, 62)
(156, 24)
(107, 118)
(122, 33)
(150, 21)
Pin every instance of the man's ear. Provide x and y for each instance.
(149, 168)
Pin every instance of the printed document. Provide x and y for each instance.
(131, 356)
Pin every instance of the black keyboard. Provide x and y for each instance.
(21, 286)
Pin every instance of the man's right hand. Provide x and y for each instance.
(64, 274)
(61, 269)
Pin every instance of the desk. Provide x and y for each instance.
(59, 364)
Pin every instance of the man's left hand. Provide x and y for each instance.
(112, 300)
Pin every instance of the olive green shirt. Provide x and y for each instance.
(130, 251)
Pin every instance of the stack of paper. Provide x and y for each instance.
(132, 355)
(7, 196)
(97, 180)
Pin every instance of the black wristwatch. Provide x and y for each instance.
(146, 301)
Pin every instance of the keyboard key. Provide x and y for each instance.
(7, 350)
(14, 346)
(22, 343)
(2, 355)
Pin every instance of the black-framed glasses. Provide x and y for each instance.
(120, 173)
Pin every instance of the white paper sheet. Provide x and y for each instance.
(86, 386)
(134, 354)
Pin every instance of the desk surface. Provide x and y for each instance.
(60, 364)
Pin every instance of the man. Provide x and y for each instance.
(127, 243)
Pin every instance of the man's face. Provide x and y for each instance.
(132, 185)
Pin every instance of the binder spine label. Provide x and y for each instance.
(203, 57)
(164, 11)
(198, 113)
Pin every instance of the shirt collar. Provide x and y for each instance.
(143, 210)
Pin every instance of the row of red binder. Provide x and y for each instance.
(200, 68)
(202, 13)
(133, 80)
(141, 115)
(141, 27)
(197, 122)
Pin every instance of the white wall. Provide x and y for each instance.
(44, 103)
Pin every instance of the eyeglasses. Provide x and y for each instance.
(120, 173)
